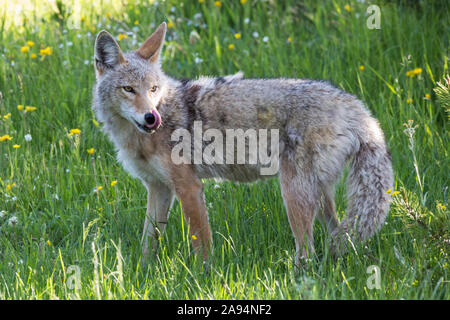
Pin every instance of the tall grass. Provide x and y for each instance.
(62, 236)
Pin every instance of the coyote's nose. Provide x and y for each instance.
(150, 118)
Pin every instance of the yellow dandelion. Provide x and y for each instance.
(16, 146)
(20, 107)
(170, 24)
(237, 35)
(136, 22)
(395, 193)
(427, 96)
(108, 15)
(231, 46)
(99, 188)
(74, 131)
(243, 1)
(6, 137)
(46, 51)
(218, 4)
(361, 67)
(30, 44)
(6, 116)
(289, 39)
(33, 56)
(82, 18)
(389, 191)
(194, 237)
(30, 109)
(347, 8)
(122, 36)
(113, 183)
(90, 151)
(409, 100)
(414, 72)
(25, 49)
(201, 1)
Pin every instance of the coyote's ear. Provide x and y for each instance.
(107, 52)
(151, 48)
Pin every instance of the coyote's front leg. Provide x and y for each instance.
(159, 201)
(189, 190)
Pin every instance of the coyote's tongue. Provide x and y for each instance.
(157, 122)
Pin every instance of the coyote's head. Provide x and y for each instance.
(130, 85)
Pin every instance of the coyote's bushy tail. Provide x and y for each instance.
(369, 179)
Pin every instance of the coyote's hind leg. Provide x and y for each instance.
(300, 195)
(327, 216)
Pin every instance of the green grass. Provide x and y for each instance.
(52, 219)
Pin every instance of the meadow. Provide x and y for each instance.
(71, 218)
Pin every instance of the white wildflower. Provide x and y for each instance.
(12, 220)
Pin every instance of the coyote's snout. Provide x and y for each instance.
(152, 121)
(319, 129)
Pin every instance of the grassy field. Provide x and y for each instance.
(71, 218)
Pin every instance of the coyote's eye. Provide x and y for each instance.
(154, 88)
(128, 89)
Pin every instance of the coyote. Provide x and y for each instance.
(321, 129)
